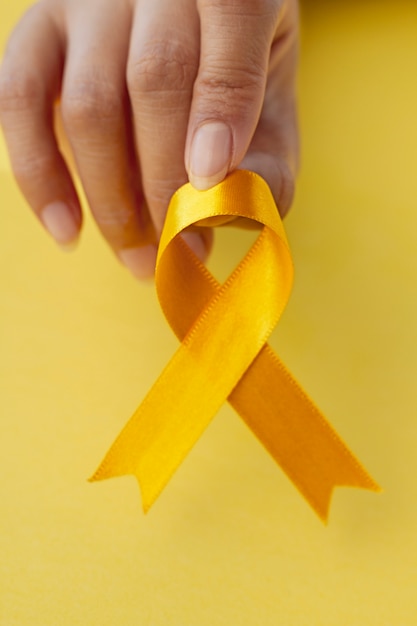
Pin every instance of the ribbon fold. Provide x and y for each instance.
(224, 356)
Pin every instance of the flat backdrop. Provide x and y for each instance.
(230, 541)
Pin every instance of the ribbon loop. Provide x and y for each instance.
(223, 355)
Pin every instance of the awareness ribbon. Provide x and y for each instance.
(224, 356)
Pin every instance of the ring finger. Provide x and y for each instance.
(96, 117)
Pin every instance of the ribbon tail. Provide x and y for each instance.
(295, 433)
(223, 355)
(123, 459)
(152, 468)
(162, 430)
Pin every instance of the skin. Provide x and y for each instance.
(148, 95)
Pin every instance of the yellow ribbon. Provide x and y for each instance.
(224, 355)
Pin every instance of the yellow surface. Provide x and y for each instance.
(230, 541)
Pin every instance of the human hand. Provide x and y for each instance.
(151, 93)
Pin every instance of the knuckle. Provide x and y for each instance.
(236, 84)
(159, 191)
(119, 227)
(90, 101)
(162, 66)
(249, 8)
(111, 220)
(19, 93)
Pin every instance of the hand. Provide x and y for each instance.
(151, 93)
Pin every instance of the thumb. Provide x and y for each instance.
(236, 39)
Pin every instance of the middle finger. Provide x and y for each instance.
(162, 65)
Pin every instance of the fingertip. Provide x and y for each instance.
(210, 155)
(279, 175)
(140, 261)
(200, 243)
(62, 223)
(71, 246)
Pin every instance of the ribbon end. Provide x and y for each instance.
(106, 470)
(321, 502)
(146, 503)
(366, 483)
(104, 473)
(97, 476)
(109, 469)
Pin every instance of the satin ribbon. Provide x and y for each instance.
(224, 356)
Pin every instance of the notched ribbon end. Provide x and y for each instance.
(369, 484)
(117, 462)
(105, 471)
(322, 502)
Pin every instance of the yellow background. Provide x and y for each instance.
(230, 541)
